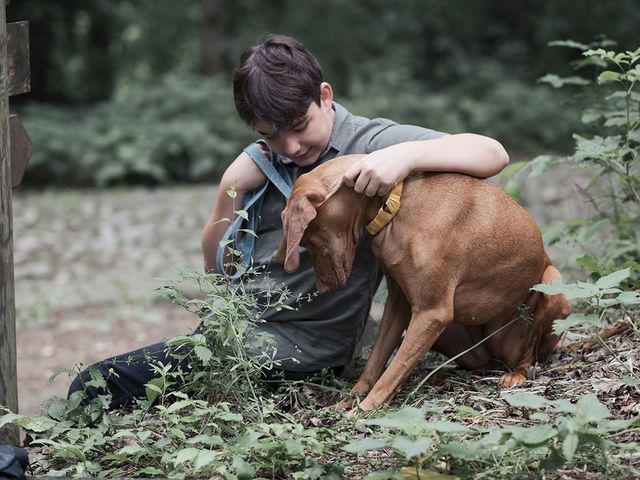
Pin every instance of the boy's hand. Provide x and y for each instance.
(377, 173)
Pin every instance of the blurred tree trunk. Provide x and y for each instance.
(214, 25)
(101, 64)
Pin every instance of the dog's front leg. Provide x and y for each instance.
(396, 316)
(425, 327)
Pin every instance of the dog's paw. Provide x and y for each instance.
(343, 405)
(511, 380)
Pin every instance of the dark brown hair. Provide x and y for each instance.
(276, 81)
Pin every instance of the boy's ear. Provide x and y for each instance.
(301, 209)
(326, 95)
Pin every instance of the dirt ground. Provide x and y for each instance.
(87, 264)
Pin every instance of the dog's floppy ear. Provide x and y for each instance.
(301, 209)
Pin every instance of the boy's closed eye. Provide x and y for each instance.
(301, 127)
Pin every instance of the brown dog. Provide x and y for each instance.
(460, 258)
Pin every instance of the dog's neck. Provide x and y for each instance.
(362, 209)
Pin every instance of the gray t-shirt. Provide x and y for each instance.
(322, 333)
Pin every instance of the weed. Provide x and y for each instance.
(614, 153)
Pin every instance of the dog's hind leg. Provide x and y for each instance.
(395, 318)
(541, 340)
(424, 328)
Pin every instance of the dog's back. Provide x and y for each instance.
(465, 234)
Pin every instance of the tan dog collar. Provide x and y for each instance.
(388, 210)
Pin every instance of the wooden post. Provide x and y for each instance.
(8, 370)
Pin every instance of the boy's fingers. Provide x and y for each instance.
(350, 176)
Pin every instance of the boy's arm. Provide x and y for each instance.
(243, 175)
(467, 153)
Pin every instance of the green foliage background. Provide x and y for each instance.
(139, 91)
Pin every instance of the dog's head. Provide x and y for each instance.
(321, 222)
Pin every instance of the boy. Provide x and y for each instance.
(279, 90)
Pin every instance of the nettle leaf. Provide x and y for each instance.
(294, 447)
(56, 409)
(606, 426)
(443, 426)
(558, 82)
(213, 440)
(411, 447)
(97, 380)
(244, 470)
(151, 471)
(177, 433)
(35, 424)
(571, 290)
(568, 43)
(153, 389)
(608, 76)
(204, 354)
(526, 400)
(563, 406)
(616, 121)
(596, 147)
(535, 435)
(464, 451)
(539, 165)
(408, 419)
(629, 298)
(231, 193)
(248, 439)
(632, 382)
(608, 302)
(590, 409)
(614, 279)
(9, 418)
(179, 405)
(590, 116)
(575, 321)
(131, 450)
(204, 458)
(362, 446)
(185, 455)
(588, 262)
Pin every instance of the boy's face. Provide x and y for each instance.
(308, 137)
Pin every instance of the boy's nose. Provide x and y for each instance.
(292, 146)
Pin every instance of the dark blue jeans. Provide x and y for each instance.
(127, 374)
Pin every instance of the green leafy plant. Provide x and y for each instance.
(206, 413)
(182, 128)
(595, 301)
(557, 432)
(609, 235)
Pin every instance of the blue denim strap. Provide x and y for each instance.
(277, 175)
